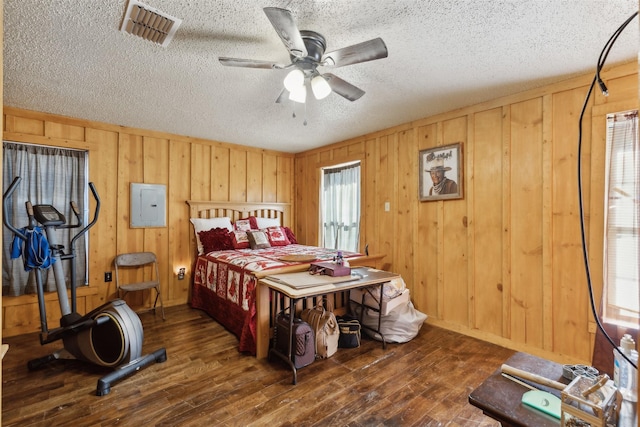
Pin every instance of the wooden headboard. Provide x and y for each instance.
(235, 211)
(238, 210)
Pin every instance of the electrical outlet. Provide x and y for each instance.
(107, 276)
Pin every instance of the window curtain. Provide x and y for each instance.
(622, 243)
(50, 176)
(341, 207)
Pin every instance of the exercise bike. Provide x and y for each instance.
(110, 335)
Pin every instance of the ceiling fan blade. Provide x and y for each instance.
(286, 27)
(361, 52)
(342, 88)
(249, 63)
(284, 95)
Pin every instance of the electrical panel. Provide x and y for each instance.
(148, 205)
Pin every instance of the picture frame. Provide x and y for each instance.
(441, 173)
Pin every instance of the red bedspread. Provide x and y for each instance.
(224, 287)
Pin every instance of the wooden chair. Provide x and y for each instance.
(139, 260)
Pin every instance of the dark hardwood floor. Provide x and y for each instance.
(206, 382)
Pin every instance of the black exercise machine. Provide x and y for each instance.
(110, 335)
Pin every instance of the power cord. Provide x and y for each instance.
(596, 78)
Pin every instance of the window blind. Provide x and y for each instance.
(341, 207)
(621, 299)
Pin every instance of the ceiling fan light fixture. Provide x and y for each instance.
(294, 80)
(299, 94)
(320, 87)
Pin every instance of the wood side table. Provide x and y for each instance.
(501, 398)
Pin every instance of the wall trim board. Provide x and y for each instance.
(503, 342)
(82, 291)
(35, 115)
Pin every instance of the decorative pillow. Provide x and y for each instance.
(262, 223)
(216, 239)
(240, 239)
(258, 239)
(242, 225)
(277, 236)
(204, 224)
(254, 222)
(290, 236)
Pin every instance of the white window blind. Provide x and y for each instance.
(340, 208)
(621, 241)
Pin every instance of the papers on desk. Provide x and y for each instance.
(305, 280)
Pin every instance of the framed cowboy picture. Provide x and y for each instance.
(441, 173)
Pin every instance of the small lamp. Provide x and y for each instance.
(320, 87)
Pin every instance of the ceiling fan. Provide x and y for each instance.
(307, 52)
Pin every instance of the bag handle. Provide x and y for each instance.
(321, 304)
(283, 312)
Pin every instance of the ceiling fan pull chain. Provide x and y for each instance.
(305, 114)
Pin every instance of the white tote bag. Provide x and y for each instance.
(401, 324)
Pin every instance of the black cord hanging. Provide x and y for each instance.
(596, 79)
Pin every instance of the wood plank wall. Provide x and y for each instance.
(192, 169)
(3, 348)
(504, 263)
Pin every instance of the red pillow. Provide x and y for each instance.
(240, 239)
(277, 236)
(216, 239)
(290, 236)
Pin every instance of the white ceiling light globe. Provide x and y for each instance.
(320, 87)
(294, 80)
(299, 94)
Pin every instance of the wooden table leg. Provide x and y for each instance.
(263, 314)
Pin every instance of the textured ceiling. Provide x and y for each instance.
(68, 57)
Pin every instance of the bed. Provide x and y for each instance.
(225, 280)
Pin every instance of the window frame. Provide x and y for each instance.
(613, 312)
(322, 223)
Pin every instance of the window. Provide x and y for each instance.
(621, 240)
(53, 176)
(340, 205)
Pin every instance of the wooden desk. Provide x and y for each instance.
(367, 277)
(500, 398)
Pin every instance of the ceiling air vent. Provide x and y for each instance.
(149, 23)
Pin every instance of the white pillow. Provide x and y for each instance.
(205, 224)
(267, 222)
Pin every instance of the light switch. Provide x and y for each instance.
(387, 206)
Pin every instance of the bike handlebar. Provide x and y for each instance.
(5, 209)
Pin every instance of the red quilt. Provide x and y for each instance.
(224, 287)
